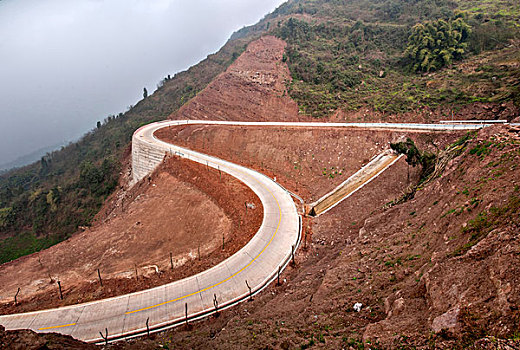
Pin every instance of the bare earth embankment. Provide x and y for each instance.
(183, 209)
(252, 88)
(438, 271)
(308, 161)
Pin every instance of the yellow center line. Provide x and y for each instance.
(216, 284)
(54, 327)
(233, 275)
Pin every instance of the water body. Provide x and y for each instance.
(66, 64)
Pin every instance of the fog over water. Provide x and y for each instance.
(66, 64)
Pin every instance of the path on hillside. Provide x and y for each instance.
(223, 285)
(355, 182)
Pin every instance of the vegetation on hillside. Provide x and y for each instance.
(436, 44)
(343, 54)
(45, 202)
(416, 157)
(353, 54)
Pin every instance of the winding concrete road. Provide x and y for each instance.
(248, 271)
(257, 263)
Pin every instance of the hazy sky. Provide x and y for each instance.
(64, 64)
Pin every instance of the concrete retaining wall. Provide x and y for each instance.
(145, 158)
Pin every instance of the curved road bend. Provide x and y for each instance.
(257, 262)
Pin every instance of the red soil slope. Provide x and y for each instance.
(184, 208)
(252, 88)
(308, 161)
(438, 271)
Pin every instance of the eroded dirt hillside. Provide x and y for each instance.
(252, 88)
(308, 161)
(438, 271)
(183, 208)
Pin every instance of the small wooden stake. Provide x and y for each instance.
(250, 292)
(136, 275)
(215, 302)
(16, 296)
(186, 313)
(223, 237)
(198, 249)
(59, 287)
(279, 270)
(171, 261)
(105, 337)
(292, 255)
(99, 275)
(147, 327)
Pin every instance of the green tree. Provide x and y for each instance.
(435, 44)
(408, 148)
(6, 217)
(415, 157)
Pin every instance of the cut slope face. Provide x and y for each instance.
(252, 88)
(438, 271)
(354, 183)
(308, 161)
(182, 209)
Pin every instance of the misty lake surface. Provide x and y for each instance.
(67, 64)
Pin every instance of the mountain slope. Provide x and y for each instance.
(439, 270)
(252, 88)
(345, 60)
(45, 202)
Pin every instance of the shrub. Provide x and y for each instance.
(435, 44)
(415, 157)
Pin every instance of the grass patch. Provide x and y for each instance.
(24, 244)
(482, 149)
(487, 221)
